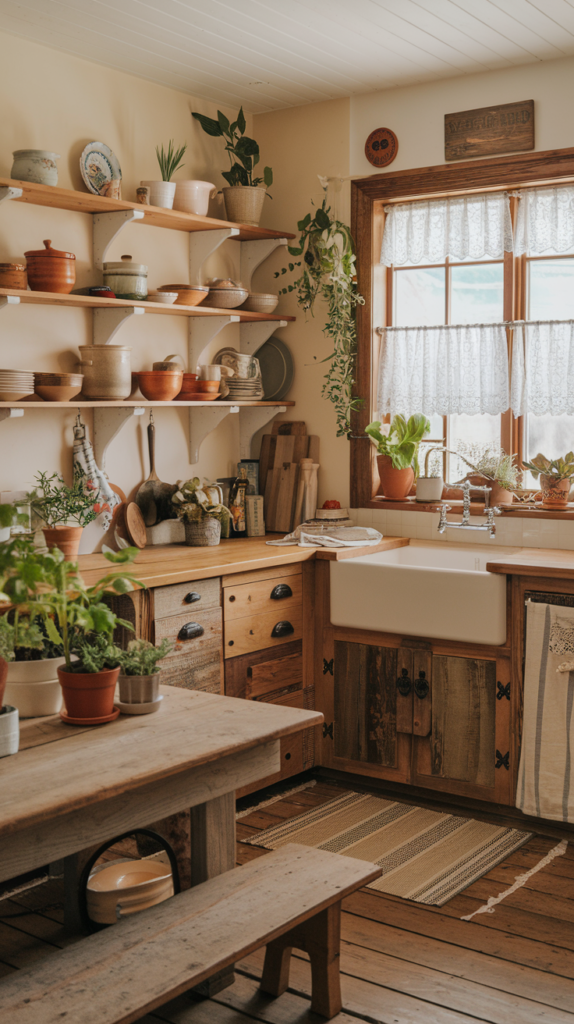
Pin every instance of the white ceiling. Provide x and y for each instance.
(267, 54)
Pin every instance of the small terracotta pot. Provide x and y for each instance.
(499, 494)
(51, 270)
(13, 275)
(66, 538)
(88, 695)
(3, 678)
(554, 492)
(395, 483)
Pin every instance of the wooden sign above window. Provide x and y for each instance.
(507, 128)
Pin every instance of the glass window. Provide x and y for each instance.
(476, 293)
(551, 289)
(420, 297)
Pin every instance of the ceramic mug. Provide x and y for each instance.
(210, 372)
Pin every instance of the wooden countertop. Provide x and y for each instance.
(176, 563)
(550, 562)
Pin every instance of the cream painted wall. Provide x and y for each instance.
(57, 102)
(416, 114)
(299, 144)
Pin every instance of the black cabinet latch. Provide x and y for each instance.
(328, 666)
(503, 760)
(404, 684)
(190, 631)
(192, 597)
(280, 591)
(421, 686)
(328, 730)
(282, 628)
(502, 691)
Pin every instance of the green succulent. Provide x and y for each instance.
(402, 441)
(562, 469)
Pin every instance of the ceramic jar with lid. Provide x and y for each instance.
(107, 372)
(51, 270)
(12, 275)
(128, 280)
(38, 165)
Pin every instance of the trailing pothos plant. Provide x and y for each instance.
(328, 266)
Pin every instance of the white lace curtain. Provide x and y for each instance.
(461, 227)
(545, 221)
(543, 368)
(457, 369)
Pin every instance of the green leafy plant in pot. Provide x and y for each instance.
(244, 195)
(139, 677)
(397, 445)
(204, 522)
(556, 477)
(59, 506)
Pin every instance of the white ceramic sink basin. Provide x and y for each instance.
(437, 590)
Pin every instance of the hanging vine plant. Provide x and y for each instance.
(328, 263)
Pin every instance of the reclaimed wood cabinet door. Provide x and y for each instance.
(366, 707)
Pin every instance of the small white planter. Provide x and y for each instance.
(33, 687)
(161, 193)
(429, 488)
(9, 731)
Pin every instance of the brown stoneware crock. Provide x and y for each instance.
(51, 270)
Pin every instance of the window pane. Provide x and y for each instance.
(419, 297)
(483, 430)
(551, 435)
(476, 295)
(551, 289)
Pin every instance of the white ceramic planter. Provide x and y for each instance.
(33, 687)
(9, 731)
(193, 197)
(4, 534)
(161, 193)
(37, 165)
(429, 488)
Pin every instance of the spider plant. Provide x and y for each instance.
(171, 161)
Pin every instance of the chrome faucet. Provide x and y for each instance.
(465, 522)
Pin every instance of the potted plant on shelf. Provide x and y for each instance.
(244, 195)
(161, 193)
(204, 522)
(139, 678)
(397, 446)
(58, 505)
(556, 477)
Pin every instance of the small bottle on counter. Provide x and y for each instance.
(237, 505)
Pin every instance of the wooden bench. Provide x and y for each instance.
(288, 898)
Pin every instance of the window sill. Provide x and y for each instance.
(476, 509)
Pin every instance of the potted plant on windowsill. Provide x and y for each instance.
(161, 193)
(59, 506)
(556, 477)
(397, 445)
(139, 678)
(204, 522)
(430, 486)
(491, 466)
(244, 195)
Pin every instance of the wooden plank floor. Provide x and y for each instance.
(401, 962)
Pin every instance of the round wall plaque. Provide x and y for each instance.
(381, 147)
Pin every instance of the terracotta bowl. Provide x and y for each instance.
(58, 392)
(206, 385)
(187, 295)
(159, 385)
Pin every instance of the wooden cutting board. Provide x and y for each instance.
(266, 459)
(286, 496)
(289, 427)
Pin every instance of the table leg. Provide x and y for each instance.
(212, 853)
(74, 864)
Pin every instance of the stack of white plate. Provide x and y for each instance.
(15, 384)
(245, 390)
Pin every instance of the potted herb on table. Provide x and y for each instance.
(59, 506)
(556, 477)
(139, 677)
(244, 195)
(161, 193)
(397, 445)
(204, 522)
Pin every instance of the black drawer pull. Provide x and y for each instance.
(190, 631)
(280, 591)
(404, 684)
(422, 687)
(192, 597)
(282, 629)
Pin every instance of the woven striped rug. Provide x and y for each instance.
(426, 856)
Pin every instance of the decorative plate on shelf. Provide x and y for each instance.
(277, 369)
(99, 167)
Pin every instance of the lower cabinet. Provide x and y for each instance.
(409, 714)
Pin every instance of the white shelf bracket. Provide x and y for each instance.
(107, 425)
(201, 423)
(107, 322)
(7, 192)
(202, 244)
(9, 300)
(253, 335)
(10, 414)
(252, 255)
(251, 419)
(105, 228)
(202, 330)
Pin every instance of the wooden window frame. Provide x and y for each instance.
(368, 195)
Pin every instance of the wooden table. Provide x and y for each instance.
(75, 787)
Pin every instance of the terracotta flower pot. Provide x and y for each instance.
(554, 492)
(88, 695)
(395, 483)
(66, 538)
(499, 494)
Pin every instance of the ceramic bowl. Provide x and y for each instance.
(14, 396)
(226, 298)
(193, 197)
(168, 298)
(187, 294)
(207, 385)
(135, 883)
(159, 385)
(58, 392)
(261, 302)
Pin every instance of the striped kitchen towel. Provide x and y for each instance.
(545, 784)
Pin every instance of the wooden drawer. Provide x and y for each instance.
(200, 670)
(195, 596)
(174, 627)
(279, 597)
(266, 674)
(254, 632)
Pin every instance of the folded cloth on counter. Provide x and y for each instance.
(545, 777)
(336, 537)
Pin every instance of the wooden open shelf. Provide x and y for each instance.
(85, 202)
(130, 403)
